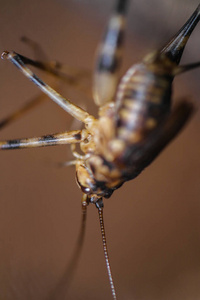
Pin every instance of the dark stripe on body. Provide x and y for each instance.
(31, 62)
(48, 139)
(149, 100)
(18, 62)
(121, 6)
(77, 136)
(11, 144)
(108, 63)
(35, 79)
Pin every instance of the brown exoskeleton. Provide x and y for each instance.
(135, 122)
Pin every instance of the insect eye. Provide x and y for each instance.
(85, 190)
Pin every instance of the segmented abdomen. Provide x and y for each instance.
(143, 99)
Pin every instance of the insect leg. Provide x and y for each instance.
(71, 76)
(68, 106)
(29, 105)
(185, 68)
(41, 61)
(174, 49)
(47, 140)
(21, 111)
(37, 49)
(39, 53)
(109, 56)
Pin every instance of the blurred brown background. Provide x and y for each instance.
(152, 223)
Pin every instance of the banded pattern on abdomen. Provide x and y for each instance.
(143, 99)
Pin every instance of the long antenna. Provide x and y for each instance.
(99, 205)
(61, 289)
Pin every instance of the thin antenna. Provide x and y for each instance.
(99, 205)
(61, 289)
(79, 245)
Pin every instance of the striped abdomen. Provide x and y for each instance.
(143, 99)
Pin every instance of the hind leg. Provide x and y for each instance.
(106, 75)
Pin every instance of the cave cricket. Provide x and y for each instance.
(135, 119)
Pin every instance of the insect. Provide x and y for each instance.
(135, 122)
